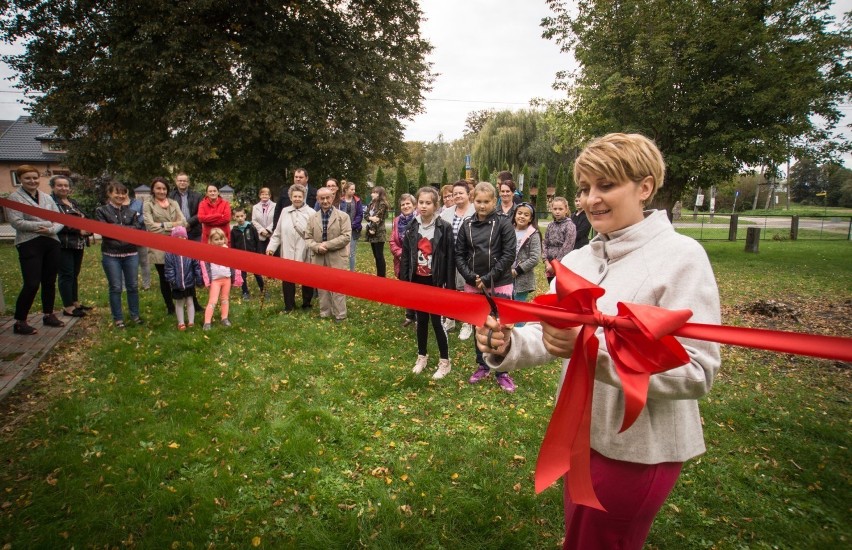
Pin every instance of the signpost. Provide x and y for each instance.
(699, 201)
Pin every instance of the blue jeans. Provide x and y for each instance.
(353, 246)
(122, 269)
(521, 297)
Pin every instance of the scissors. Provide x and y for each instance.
(494, 313)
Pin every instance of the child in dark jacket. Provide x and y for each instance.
(428, 258)
(244, 237)
(485, 251)
(183, 274)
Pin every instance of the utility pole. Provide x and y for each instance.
(787, 179)
(771, 192)
(712, 202)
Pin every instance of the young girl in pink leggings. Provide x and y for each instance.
(218, 279)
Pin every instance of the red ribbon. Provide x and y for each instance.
(468, 308)
(647, 349)
(640, 338)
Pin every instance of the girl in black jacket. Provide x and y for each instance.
(485, 251)
(120, 259)
(428, 258)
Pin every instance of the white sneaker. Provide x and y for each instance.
(465, 332)
(443, 369)
(420, 364)
(449, 324)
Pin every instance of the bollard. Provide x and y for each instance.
(752, 239)
(732, 228)
(794, 228)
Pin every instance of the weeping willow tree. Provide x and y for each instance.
(511, 138)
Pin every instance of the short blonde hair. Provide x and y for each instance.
(622, 157)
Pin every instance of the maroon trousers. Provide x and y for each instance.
(632, 495)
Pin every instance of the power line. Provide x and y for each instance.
(19, 92)
(475, 101)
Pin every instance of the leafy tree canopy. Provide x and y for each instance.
(222, 90)
(717, 84)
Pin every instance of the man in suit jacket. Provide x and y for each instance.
(327, 237)
(300, 176)
(188, 201)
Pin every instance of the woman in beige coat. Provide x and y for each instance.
(161, 214)
(289, 237)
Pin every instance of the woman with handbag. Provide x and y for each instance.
(161, 215)
(72, 243)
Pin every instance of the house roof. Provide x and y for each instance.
(4, 125)
(21, 142)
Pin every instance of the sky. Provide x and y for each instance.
(489, 54)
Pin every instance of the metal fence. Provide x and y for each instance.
(733, 227)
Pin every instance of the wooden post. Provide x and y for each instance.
(752, 239)
(794, 228)
(732, 228)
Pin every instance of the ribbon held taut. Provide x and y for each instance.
(469, 308)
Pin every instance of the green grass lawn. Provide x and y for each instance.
(290, 431)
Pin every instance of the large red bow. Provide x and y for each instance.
(636, 354)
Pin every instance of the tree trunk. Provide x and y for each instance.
(769, 196)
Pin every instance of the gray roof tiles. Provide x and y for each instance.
(21, 142)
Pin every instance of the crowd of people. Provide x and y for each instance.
(307, 224)
(471, 238)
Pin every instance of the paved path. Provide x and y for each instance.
(21, 355)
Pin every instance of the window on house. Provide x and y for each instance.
(15, 181)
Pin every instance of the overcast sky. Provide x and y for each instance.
(488, 54)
